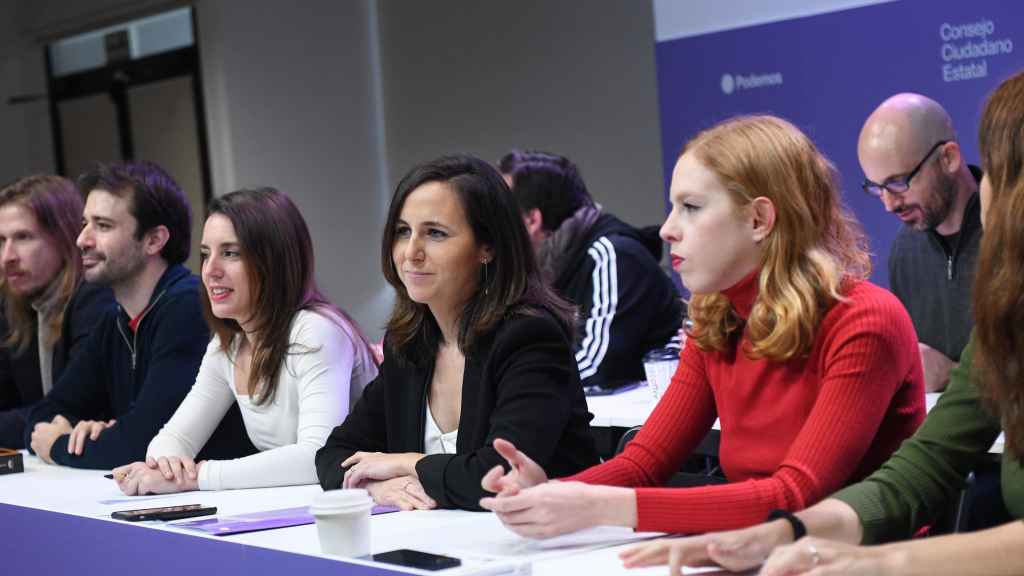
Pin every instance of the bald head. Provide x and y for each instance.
(899, 140)
(905, 125)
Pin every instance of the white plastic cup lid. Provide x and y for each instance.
(661, 355)
(341, 502)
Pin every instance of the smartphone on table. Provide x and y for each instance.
(164, 513)
(416, 559)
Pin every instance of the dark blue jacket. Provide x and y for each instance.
(139, 379)
(21, 383)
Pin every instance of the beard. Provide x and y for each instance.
(937, 207)
(113, 271)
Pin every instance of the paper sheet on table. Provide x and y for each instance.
(486, 536)
(258, 521)
(504, 543)
(607, 561)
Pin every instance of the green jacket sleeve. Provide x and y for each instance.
(923, 478)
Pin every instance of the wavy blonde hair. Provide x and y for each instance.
(814, 247)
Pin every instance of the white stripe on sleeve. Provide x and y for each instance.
(605, 287)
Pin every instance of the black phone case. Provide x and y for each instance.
(172, 515)
(417, 559)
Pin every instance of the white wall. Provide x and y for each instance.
(26, 144)
(574, 78)
(292, 103)
(45, 20)
(678, 19)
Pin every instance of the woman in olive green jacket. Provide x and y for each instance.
(923, 478)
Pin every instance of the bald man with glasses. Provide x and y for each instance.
(913, 164)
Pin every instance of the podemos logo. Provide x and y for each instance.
(731, 83)
(728, 84)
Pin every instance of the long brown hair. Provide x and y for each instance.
(814, 247)
(277, 251)
(999, 283)
(57, 206)
(510, 282)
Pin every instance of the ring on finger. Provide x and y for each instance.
(815, 556)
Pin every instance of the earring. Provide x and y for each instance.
(486, 278)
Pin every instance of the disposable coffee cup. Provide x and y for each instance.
(660, 365)
(343, 521)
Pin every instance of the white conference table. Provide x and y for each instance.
(57, 520)
(632, 407)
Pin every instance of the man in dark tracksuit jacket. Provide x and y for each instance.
(142, 358)
(609, 269)
(628, 305)
(20, 378)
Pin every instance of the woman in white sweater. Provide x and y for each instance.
(293, 362)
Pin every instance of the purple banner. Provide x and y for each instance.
(42, 542)
(826, 73)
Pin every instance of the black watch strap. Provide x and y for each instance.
(799, 530)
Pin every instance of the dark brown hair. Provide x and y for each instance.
(155, 200)
(57, 206)
(548, 182)
(999, 285)
(277, 251)
(511, 281)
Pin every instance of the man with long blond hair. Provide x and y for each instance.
(913, 163)
(47, 309)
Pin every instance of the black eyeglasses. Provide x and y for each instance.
(899, 185)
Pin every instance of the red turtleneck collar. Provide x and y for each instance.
(743, 293)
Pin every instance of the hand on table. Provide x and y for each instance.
(735, 550)
(406, 492)
(549, 509)
(90, 429)
(523, 471)
(824, 557)
(164, 475)
(44, 434)
(366, 466)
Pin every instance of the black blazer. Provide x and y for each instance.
(21, 381)
(520, 383)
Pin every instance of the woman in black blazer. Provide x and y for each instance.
(477, 348)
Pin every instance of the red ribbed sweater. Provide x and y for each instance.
(791, 432)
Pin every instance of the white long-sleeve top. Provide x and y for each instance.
(325, 371)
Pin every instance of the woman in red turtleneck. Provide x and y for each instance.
(813, 371)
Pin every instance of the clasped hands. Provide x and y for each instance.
(390, 479)
(45, 434)
(163, 475)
